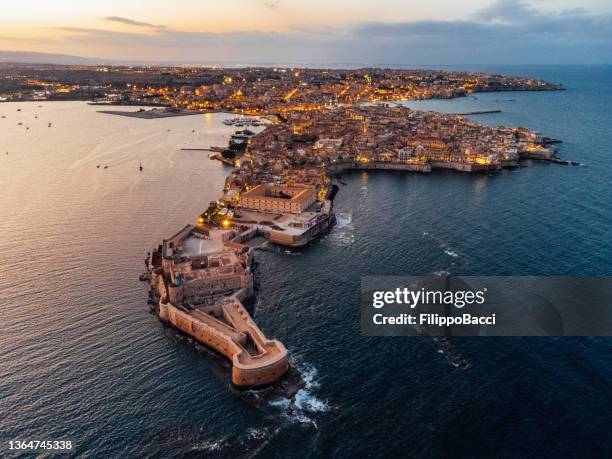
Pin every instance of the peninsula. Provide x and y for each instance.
(319, 123)
(281, 191)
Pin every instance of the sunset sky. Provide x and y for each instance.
(304, 31)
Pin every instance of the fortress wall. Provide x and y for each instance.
(463, 167)
(201, 332)
(259, 376)
(278, 237)
(252, 373)
(177, 239)
(344, 166)
(175, 294)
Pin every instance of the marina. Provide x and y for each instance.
(241, 121)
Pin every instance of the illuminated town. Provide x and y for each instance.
(253, 90)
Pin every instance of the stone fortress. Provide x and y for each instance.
(199, 277)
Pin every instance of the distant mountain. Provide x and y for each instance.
(26, 57)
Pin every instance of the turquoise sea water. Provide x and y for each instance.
(84, 360)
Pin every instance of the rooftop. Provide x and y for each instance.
(276, 192)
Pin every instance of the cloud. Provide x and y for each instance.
(271, 4)
(23, 39)
(509, 11)
(132, 22)
(507, 32)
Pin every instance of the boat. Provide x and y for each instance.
(140, 166)
(241, 121)
(246, 132)
(105, 167)
(98, 166)
(238, 142)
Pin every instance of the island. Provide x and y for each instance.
(317, 125)
(281, 190)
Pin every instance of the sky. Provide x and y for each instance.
(400, 32)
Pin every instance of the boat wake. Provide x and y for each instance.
(246, 444)
(452, 354)
(444, 246)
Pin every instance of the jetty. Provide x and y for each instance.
(478, 112)
(153, 113)
(209, 149)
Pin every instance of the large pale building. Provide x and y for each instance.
(278, 199)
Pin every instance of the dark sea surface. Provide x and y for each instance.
(84, 360)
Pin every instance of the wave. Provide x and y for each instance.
(308, 402)
(343, 231)
(246, 444)
(344, 220)
(305, 403)
(445, 247)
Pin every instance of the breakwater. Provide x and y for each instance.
(478, 112)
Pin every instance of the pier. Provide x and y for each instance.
(478, 112)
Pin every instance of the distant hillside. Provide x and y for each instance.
(45, 58)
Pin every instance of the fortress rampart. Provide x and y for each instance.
(199, 287)
(228, 329)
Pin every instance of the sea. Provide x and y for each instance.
(84, 360)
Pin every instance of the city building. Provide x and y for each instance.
(278, 199)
